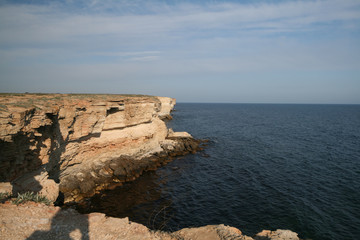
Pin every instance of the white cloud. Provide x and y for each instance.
(127, 54)
(144, 58)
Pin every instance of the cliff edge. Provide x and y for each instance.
(79, 144)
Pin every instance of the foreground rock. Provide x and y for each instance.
(84, 143)
(276, 235)
(38, 221)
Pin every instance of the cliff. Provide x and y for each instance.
(79, 144)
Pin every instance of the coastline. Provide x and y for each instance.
(78, 145)
(81, 144)
(38, 221)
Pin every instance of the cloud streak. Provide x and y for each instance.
(43, 24)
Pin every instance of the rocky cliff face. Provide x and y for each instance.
(84, 143)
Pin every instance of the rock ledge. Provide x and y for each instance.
(38, 221)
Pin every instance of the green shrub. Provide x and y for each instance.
(31, 196)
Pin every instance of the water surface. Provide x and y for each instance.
(267, 166)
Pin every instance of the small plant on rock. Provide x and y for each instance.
(31, 197)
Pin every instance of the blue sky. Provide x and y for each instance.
(195, 51)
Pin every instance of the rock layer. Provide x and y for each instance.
(84, 142)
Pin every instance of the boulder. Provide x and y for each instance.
(167, 105)
(276, 235)
(172, 134)
(211, 232)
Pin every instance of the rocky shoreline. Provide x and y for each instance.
(38, 221)
(75, 145)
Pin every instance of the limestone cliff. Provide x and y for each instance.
(84, 142)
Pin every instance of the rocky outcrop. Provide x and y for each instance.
(38, 221)
(84, 143)
(213, 232)
(167, 105)
(37, 181)
(276, 235)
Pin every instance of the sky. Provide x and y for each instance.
(195, 51)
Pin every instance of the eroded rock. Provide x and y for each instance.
(167, 105)
(211, 232)
(38, 221)
(85, 142)
(38, 182)
(276, 235)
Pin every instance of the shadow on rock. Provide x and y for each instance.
(62, 228)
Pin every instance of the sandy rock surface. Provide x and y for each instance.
(276, 235)
(39, 221)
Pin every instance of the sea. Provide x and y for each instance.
(265, 166)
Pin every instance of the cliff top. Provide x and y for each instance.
(11, 101)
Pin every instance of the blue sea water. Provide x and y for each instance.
(267, 166)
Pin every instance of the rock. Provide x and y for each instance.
(38, 221)
(263, 234)
(211, 232)
(174, 135)
(37, 182)
(167, 105)
(6, 187)
(276, 235)
(77, 139)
